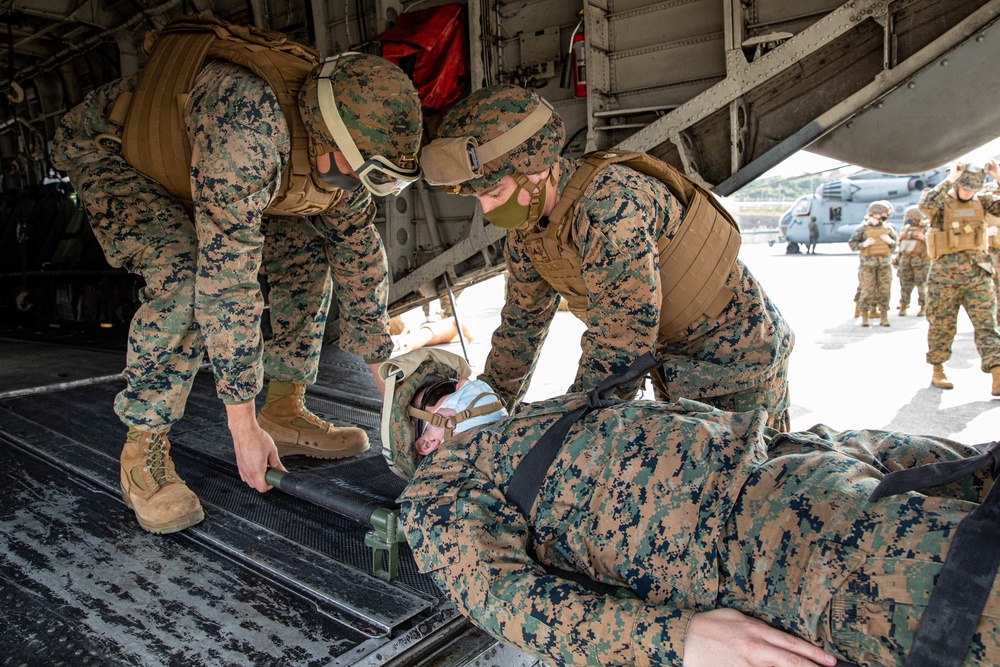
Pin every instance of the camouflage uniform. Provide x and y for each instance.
(689, 509)
(995, 258)
(960, 279)
(874, 273)
(737, 361)
(201, 268)
(912, 269)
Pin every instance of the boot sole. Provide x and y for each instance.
(292, 449)
(165, 527)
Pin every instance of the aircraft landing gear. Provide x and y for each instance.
(792, 249)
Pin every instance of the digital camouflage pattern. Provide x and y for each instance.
(960, 280)
(687, 508)
(201, 268)
(375, 99)
(913, 267)
(874, 273)
(489, 112)
(739, 357)
(995, 259)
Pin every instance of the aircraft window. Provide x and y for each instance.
(835, 214)
(802, 207)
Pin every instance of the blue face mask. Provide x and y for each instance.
(474, 393)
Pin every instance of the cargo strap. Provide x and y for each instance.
(527, 479)
(963, 586)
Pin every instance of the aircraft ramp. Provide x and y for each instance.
(265, 579)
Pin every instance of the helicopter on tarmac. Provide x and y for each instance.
(840, 206)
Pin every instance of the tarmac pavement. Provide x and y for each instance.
(841, 374)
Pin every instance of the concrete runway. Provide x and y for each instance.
(841, 374)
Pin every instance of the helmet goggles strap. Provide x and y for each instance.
(379, 174)
(454, 160)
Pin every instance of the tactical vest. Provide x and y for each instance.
(880, 248)
(909, 244)
(964, 229)
(694, 264)
(154, 139)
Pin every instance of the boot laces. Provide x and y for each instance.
(156, 459)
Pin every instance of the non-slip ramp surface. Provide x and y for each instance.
(82, 584)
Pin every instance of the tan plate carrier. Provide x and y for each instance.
(694, 264)
(154, 139)
(964, 229)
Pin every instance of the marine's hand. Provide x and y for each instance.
(886, 238)
(867, 242)
(992, 170)
(254, 448)
(956, 171)
(727, 637)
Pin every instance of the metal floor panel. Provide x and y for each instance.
(72, 554)
(81, 583)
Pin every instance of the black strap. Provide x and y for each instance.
(963, 585)
(936, 474)
(531, 471)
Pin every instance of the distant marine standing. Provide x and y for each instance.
(912, 261)
(875, 239)
(961, 272)
(993, 240)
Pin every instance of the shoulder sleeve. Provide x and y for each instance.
(235, 170)
(360, 273)
(618, 223)
(529, 307)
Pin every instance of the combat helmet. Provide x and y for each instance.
(369, 110)
(495, 131)
(972, 178)
(404, 376)
(912, 214)
(880, 207)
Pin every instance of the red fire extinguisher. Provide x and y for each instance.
(579, 64)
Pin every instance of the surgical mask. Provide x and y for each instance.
(511, 214)
(473, 394)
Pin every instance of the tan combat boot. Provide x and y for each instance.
(297, 431)
(161, 500)
(902, 311)
(864, 318)
(996, 380)
(920, 312)
(885, 318)
(939, 379)
(873, 313)
(857, 309)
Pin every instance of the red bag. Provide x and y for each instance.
(430, 46)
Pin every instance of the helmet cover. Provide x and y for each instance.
(492, 111)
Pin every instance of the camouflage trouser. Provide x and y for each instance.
(806, 552)
(995, 258)
(874, 285)
(974, 293)
(771, 394)
(912, 273)
(141, 227)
